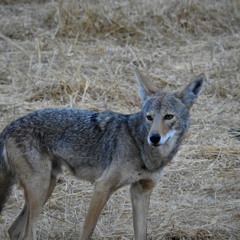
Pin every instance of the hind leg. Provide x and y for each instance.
(37, 206)
(38, 186)
(16, 228)
(20, 223)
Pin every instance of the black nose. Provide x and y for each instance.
(155, 138)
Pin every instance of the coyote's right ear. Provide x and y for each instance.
(144, 87)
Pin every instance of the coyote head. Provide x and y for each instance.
(167, 114)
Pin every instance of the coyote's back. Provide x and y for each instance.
(108, 149)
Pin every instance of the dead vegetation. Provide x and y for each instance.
(82, 54)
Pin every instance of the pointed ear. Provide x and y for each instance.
(145, 88)
(190, 93)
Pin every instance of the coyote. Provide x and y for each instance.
(108, 149)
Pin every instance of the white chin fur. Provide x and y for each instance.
(167, 137)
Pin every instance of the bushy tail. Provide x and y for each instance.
(6, 177)
(235, 132)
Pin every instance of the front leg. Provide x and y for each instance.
(101, 193)
(140, 196)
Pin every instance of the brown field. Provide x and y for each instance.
(82, 54)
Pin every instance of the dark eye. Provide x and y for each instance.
(168, 117)
(149, 118)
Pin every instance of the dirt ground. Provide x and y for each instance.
(82, 54)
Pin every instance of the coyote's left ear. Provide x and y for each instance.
(190, 93)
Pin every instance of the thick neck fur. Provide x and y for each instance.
(153, 158)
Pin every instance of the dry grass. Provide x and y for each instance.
(82, 53)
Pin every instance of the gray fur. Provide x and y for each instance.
(106, 148)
